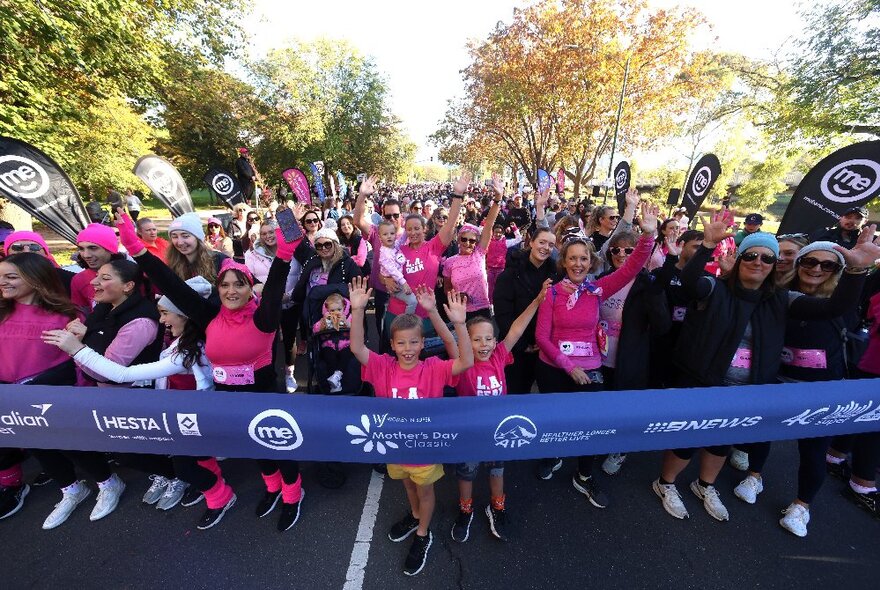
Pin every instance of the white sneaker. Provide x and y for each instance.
(335, 381)
(795, 519)
(72, 498)
(612, 463)
(290, 381)
(749, 488)
(173, 494)
(711, 500)
(156, 489)
(671, 499)
(108, 497)
(739, 460)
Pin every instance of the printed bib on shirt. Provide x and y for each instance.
(806, 358)
(234, 374)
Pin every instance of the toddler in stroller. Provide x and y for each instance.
(335, 367)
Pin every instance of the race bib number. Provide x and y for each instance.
(234, 375)
(807, 358)
(742, 359)
(569, 348)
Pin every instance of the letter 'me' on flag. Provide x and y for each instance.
(299, 184)
(622, 180)
(850, 177)
(36, 183)
(166, 183)
(702, 178)
(224, 185)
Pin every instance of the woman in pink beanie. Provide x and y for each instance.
(96, 245)
(28, 241)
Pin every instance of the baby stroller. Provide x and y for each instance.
(319, 371)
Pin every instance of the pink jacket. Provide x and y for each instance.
(870, 362)
(561, 332)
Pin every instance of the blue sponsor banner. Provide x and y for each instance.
(450, 430)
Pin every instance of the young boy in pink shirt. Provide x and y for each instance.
(404, 376)
(486, 378)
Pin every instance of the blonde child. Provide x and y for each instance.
(392, 262)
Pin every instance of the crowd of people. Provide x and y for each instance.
(475, 292)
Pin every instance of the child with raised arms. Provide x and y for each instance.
(404, 376)
(486, 378)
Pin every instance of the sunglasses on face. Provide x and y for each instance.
(614, 217)
(617, 250)
(311, 220)
(212, 225)
(253, 219)
(23, 247)
(825, 265)
(443, 217)
(467, 240)
(752, 256)
(390, 216)
(323, 245)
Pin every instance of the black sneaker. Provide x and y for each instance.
(587, 486)
(840, 470)
(191, 496)
(403, 528)
(547, 467)
(497, 522)
(213, 515)
(418, 554)
(12, 499)
(289, 514)
(268, 503)
(42, 479)
(869, 501)
(461, 530)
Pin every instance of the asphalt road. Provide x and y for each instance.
(557, 540)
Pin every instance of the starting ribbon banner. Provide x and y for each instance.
(448, 430)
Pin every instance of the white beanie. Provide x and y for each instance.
(327, 234)
(190, 223)
(197, 284)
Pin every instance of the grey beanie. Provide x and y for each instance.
(197, 284)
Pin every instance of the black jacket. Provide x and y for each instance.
(836, 234)
(718, 315)
(516, 288)
(645, 317)
(341, 273)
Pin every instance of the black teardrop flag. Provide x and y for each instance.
(702, 178)
(850, 177)
(225, 186)
(621, 184)
(36, 183)
(166, 183)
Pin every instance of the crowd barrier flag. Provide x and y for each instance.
(166, 183)
(703, 176)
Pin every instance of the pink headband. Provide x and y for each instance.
(101, 235)
(28, 236)
(469, 227)
(230, 264)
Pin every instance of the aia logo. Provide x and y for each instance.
(514, 432)
(853, 180)
(23, 177)
(701, 182)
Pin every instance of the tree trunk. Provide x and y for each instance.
(18, 217)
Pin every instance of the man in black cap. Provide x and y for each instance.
(752, 224)
(245, 172)
(846, 232)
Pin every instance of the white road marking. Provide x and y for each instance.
(360, 553)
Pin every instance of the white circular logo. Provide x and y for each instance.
(23, 177)
(223, 184)
(162, 181)
(620, 179)
(275, 429)
(851, 181)
(515, 431)
(701, 182)
(219, 374)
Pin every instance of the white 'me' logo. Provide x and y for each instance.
(223, 184)
(275, 429)
(850, 181)
(23, 177)
(701, 182)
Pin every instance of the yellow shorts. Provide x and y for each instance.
(420, 474)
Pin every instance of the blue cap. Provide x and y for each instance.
(759, 238)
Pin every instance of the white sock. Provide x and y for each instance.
(72, 488)
(861, 489)
(833, 459)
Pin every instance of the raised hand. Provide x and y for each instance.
(456, 309)
(426, 298)
(865, 252)
(299, 210)
(673, 247)
(631, 199)
(368, 186)
(648, 217)
(497, 185)
(541, 199)
(718, 229)
(543, 292)
(359, 293)
(128, 233)
(63, 339)
(461, 185)
(726, 262)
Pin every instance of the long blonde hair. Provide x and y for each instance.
(203, 266)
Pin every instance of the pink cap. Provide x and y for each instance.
(27, 236)
(101, 235)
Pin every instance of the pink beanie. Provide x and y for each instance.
(101, 235)
(28, 236)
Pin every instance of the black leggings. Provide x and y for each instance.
(339, 360)
(758, 453)
(811, 468)
(189, 470)
(10, 458)
(61, 465)
(554, 380)
(688, 454)
(152, 464)
(289, 318)
(521, 374)
(380, 302)
(865, 448)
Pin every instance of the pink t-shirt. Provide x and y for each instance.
(486, 378)
(468, 275)
(421, 268)
(82, 294)
(25, 354)
(425, 380)
(497, 255)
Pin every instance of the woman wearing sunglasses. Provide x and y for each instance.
(603, 220)
(311, 223)
(466, 271)
(27, 241)
(734, 332)
(217, 239)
